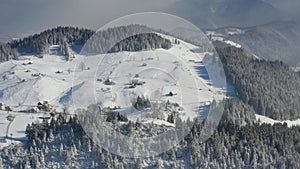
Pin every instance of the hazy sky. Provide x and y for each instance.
(24, 17)
(20, 17)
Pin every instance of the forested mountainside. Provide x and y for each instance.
(116, 39)
(273, 41)
(7, 53)
(113, 39)
(63, 144)
(145, 41)
(39, 43)
(271, 87)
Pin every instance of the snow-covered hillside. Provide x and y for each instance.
(80, 81)
(179, 70)
(26, 82)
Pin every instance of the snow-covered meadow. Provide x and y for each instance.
(80, 81)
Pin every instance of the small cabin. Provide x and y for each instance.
(43, 106)
(132, 86)
(171, 93)
(35, 110)
(3, 140)
(109, 81)
(136, 82)
(7, 108)
(2, 106)
(35, 74)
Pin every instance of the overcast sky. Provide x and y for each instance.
(29, 16)
(24, 17)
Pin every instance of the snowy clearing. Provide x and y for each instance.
(14, 131)
(268, 120)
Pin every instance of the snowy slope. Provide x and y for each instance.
(26, 84)
(267, 120)
(220, 37)
(15, 130)
(180, 70)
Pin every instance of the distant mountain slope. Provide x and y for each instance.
(289, 6)
(221, 13)
(7, 53)
(272, 88)
(273, 41)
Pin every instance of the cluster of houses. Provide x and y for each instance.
(135, 82)
(171, 93)
(4, 107)
(43, 106)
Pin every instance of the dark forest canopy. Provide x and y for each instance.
(139, 42)
(231, 146)
(270, 87)
(123, 38)
(39, 43)
(96, 41)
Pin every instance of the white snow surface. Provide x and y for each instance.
(268, 120)
(15, 132)
(233, 43)
(296, 68)
(179, 70)
(23, 83)
(216, 36)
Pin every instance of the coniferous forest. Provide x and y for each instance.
(39, 43)
(270, 87)
(239, 142)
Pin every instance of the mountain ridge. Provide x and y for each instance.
(221, 13)
(272, 41)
